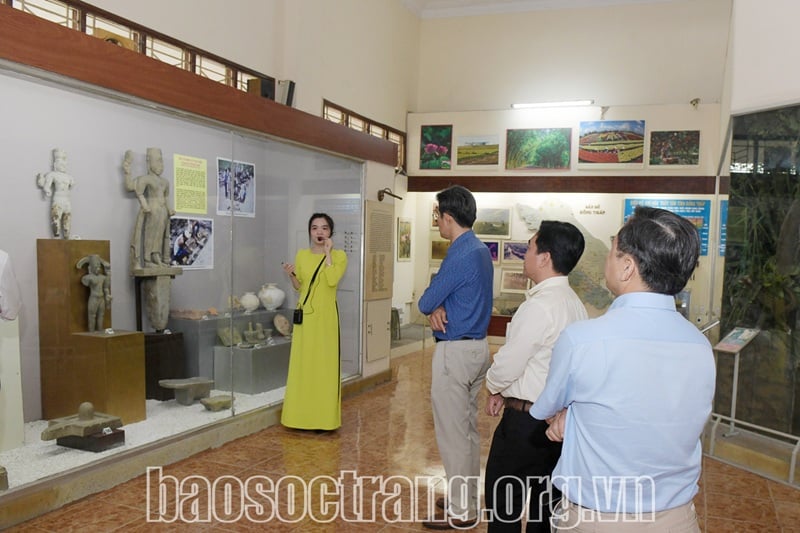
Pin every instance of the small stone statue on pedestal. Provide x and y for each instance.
(99, 283)
(150, 243)
(57, 184)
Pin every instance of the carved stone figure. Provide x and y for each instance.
(150, 242)
(99, 282)
(150, 246)
(56, 184)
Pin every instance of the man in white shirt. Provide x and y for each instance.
(520, 450)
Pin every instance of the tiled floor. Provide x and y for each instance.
(386, 432)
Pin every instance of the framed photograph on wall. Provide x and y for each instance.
(514, 281)
(493, 222)
(611, 142)
(435, 215)
(403, 239)
(514, 252)
(494, 250)
(236, 188)
(439, 249)
(435, 147)
(539, 149)
(675, 148)
(191, 243)
(478, 150)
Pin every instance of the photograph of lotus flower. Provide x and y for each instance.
(434, 148)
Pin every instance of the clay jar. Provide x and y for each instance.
(249, 301)
(271, 296)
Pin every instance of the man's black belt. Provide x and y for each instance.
(518, 404)
(437, 339)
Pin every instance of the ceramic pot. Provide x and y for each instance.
(271, 296)
(249, 301)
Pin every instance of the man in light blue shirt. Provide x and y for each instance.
(458, 303)
(630, 392)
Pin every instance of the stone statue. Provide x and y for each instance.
(150, 242)
(99, 282)
(150, 247)
(57, 184)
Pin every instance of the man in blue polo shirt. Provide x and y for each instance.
(458, 304)
(630, 392)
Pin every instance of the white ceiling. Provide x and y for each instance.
(462, 8)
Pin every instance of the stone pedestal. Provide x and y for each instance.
(164, 359)
(99, 442)
(200, 336)
(254, 369)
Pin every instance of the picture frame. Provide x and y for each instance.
(513, 281)
(611, 143)
(236, 188)
(676, 148)
(514, 252)
(493, 223)
(538, 149)
(439, 249)
(435, 215)
(494, 250)
(191, 243)
(478, 150)
(435, 147)
(403, 239)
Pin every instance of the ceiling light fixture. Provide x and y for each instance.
(565, 103)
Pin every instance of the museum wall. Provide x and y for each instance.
(645, 54)
(325, 47)
(763, 50)
(95, 131)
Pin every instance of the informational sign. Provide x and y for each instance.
(379, 260)
(698, 212)
(736, 340)
(191, 184)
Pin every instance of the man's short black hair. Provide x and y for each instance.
(563, 241)
(459, 203)
(664, 245)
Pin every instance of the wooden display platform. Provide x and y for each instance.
(78, 366)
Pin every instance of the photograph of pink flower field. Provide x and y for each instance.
(611, 141)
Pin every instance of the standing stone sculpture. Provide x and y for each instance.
(56, 184)
(150, 242)
(99, 282)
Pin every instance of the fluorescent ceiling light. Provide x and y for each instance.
(566, 103)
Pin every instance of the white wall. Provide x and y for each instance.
(655, 53)
(764, 55)
(360, 54)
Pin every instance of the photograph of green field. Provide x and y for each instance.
(493, 222)
(543, 148)
(611, 141)
(478, 150)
